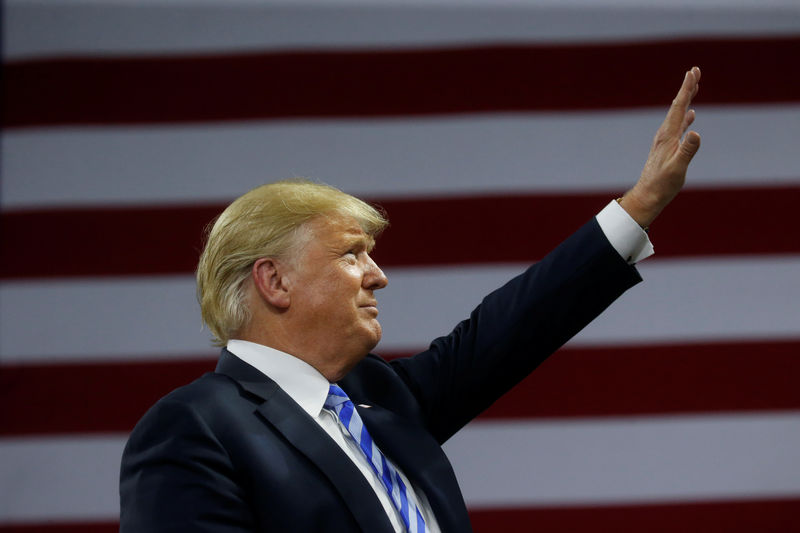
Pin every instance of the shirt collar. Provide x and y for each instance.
(301, 381)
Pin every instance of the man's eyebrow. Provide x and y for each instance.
(359, 239)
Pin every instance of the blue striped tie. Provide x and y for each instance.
(339, 403)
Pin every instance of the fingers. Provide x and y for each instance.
(686, 91)
(679, 117)
(689, 146)
(687, 120)
(693, 78)
(697, 73)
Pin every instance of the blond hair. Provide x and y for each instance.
(263, 222)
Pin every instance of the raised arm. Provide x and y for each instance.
(670, 154)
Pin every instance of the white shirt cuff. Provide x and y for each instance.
(624, 234)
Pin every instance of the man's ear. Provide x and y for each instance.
(270, 282)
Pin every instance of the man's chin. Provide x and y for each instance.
(372, 333)
(368, 347)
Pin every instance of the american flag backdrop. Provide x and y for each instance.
(488, 130)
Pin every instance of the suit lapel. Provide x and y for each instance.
(289, 419)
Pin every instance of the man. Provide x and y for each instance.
(273, 440)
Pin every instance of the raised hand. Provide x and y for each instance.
(672, 150)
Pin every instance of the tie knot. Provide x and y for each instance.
(336, 397)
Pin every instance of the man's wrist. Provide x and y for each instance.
(645, 228)
(644, 205)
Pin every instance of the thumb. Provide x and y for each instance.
(689, 146)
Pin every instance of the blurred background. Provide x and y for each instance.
(488, 130)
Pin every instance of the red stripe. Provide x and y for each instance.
(88, 397)
(102, 241)
(334, 83)
(763, 516)
(55, 527)
(777, 515)
(643, 380)
(424, 232)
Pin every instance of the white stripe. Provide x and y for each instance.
(355, 428)
(627, 460)
(60, 478)
(597, 461)
(395, 494)
(680, 300)
(102, 319)
(490, 154)
(376, 459)
(705, 299)
(663, 4)
(412, 514)
(163, 27)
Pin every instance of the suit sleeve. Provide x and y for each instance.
(514, 329)
(176, 477)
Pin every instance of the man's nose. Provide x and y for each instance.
(374, 278)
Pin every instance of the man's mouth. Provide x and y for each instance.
(371, 306)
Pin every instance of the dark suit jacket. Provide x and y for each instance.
(231, 452)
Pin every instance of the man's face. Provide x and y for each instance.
(333, 281)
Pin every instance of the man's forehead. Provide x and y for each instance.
(342, 227)
(356, 235)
